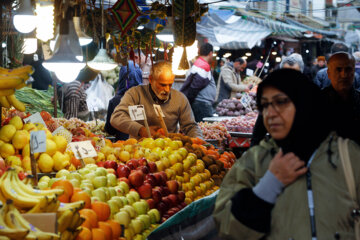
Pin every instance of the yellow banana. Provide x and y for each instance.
(4, 102)
(76, 232)
(21, 85)
(16, 103)
(66, 235)
(10, 81)
(39, 208)
(23, 69)
(76, 221)
(14, 217)
(6, 92)
(12, 233)
(65, 220)
(53, 205)
(74, 205)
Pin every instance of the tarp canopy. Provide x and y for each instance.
(352, 37)
(312, 29)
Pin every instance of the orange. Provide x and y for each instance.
(98, 234)
(86, 223)
(78, 196)
(64, 198)
(106, 227)
(85, 234)
(116, 228)
(76, 162)
(102, 210)
(91, 215)
(64, 184)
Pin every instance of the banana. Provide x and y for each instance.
(4, 102)
(53, 205)
(10, 81)
(24, 69)
(21, 85)
(12, 233)
(76, 221)
(15, 103)
(6, 92)
(76, 232)
(14, 218)
(39, 208)
(65, 220)
(66, 235)
(74, 205)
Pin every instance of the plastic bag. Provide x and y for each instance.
(99, 94)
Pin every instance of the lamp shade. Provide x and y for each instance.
(24, 19)
(83, 38)
(102, 61)
(64, 63)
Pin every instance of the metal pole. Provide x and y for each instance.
(55, 96)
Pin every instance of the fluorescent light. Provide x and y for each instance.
(30, 45)
(45, 25)
(278, 59)
(141, 27)
(102, 61)
(216, 48)
(248, 54)
(274, 53)
(83, 38)
(24, 19)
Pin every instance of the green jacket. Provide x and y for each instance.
(290, 218)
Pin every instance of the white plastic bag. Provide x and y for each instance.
(99, 94)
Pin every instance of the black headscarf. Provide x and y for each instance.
(309, 128)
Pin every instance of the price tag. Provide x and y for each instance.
(137, 112)
(249, 72)
(38, 141)
(157, 109)
(35, 118)
(83, 149)
(245, 100)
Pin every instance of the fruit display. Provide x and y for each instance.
(10, 81)
(111, 76)
(234, 107)
(216, 130)
(252, 80)
(244, 124)
(97, 127)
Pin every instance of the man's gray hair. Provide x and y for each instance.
(293, 59)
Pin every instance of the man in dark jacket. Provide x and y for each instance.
(342, 99)
(199, 87)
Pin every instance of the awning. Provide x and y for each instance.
(321, 31)
(236, 35)
(352, 37)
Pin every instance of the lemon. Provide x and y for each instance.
(26, 163)
(20, 139)
(29, 127)
(61, 143)
(44, 179)
(7, 132)
(60, 161)
(17, 122)
(48, 134)
(7, 150)
(26, 152)
(50, 147)
(13, 161)
(45, 163)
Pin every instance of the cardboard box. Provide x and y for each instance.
(44, 221)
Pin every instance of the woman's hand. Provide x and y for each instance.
(287, 168)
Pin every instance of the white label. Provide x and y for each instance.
(137, 112)
(35, 118)
(249, 72)
(245, 100)
(157, 109)
(38, 141)
(83, 149)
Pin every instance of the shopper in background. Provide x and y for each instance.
(174, 105)
(199, 86)
(229, 82)
(320, 64)
(293, 61)
(343, 100)
(357, 62)
(130, 75)
(285, 187)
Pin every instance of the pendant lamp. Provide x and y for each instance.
(102, 61)
(30, 43)
(64, 63)
(83, 38)
(24, 18)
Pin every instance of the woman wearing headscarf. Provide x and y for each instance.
(291, 186)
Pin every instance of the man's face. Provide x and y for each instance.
(321, 63)
(341, 71)
(162, 85)
(239, 67)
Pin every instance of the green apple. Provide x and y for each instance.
(124, 200)
(130, 210)
(183, 152)
(87, 190)
(84, 171)
(123, 218)
(157, 150)
(112, 192)
(45, 179)
(118, 200)
(153, 157)
(135, 195)
(140, 207)
(145, 219)
(100, 171)
(129, 233)
(130, 198)
(91, 166)
(138, 237)
(99, 181)
(139, 153)
(138, 225)
(90, 176)
(160, 142)
(86, 185)
(75, 182)
(107, 193)
(42, 185)
(94, 199)
(99, 193)
(74, 175)
(114, 207)
(111, 180)
(119, 191)
(124, 186)
(173, 145)
(154, 214)
(62, 173)
(165, 161)
(52, 180)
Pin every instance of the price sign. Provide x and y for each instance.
(249, 72)
(38, 141)
(35, 118)
(158, 110)
(245, 100)
(83, 149)
(137, 112)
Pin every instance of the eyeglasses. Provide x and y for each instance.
(279, 104)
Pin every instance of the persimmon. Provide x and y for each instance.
(82, 196)
(102, 210)
(85, 234)
(91, 216)
(64, 184)
(76, 162)
(106, 227)
(64, 198)
(98, 234)
(116, 228)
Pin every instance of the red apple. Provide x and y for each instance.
(167, 201)
(183, 204)
(181, 196)
(2, 164)
(132, 164)
(143, 162)
(173, 186)
(152, 167)
(170, 212)
(165, 191)
(110, 164)
(124, 179)
(122, 171)
(150, 178)
(174, 199)
(136, 178)
(100, 164)
(162, 207)
(144, 169)
(156, 195)
(151, 203)
(145, 191)
(163, 174)
(110, 170)
(160, 178)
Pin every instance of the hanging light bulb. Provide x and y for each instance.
(64, 63)
(83, 38)
(102, 61)
(191, 54)
(45, 26)
(24, 19)
(166, 35)
(30, 44)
